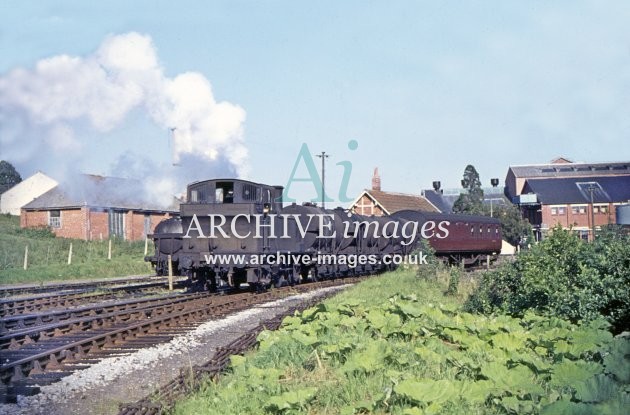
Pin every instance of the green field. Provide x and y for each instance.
(397, 344)
(48, 256)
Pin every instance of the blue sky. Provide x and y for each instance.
(425, 88)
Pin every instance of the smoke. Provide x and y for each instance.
(52, 114)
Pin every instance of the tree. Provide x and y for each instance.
(470, 201)
(514, 228)
(9, 177)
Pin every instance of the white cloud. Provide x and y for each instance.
(65, 102)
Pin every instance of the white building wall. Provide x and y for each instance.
(25, 192)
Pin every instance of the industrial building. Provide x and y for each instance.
(96, 207)
(580, 196)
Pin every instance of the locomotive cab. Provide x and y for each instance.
(219, 226)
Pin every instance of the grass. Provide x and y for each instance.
(48, 256)
(290, 367)
(398, 344)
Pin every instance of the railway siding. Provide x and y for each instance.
(131, 374)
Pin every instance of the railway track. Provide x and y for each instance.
(44, 353)
(16, 306)
(12, 291)
(47, 324)
(165, 397)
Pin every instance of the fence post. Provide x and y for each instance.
(146, 245)
(70, 254)
(170, 273)
(109, 250)
(26, 257)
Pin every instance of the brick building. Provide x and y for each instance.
(378, 203)
(96, 207)
(581, 196)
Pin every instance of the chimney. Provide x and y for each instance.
(376, 180)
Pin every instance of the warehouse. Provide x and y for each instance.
(96, 207)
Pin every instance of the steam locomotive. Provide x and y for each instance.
(233, 232)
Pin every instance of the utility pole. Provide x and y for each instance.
(590, 189)
(323, 156)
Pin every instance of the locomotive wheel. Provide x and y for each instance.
(279, 282)
(293, 278)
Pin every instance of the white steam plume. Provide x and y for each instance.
(50, 114)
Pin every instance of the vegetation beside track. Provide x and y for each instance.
(564, 276)
(398, 344)
(48, 256)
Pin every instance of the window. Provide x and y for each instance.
(582, 210)
(224, 192)
(562, 210)
(574, 210)
(54, 219)
(595, 209)
(251, 192)
(199, 194)
(603, 209)
(554, 211)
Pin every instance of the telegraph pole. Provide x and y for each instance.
(323, 156)
(591, 188)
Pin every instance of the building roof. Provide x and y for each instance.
(24, 192)
(99, 192)
(571, 169)
(444, 203)
(393, 202)
(608, 189)
(561, 160)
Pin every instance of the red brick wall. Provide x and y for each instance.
(72, 224)
(98, 225)
(33, 219)
(579, 221)
(134, 224)
(89, 224)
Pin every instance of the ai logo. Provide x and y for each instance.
(305, 157)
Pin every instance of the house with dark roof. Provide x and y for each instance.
(581, 196)
(376, 202)
(95, 207)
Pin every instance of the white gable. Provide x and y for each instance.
(25, 192)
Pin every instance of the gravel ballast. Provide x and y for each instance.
(126, 378)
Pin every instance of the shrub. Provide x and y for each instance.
(453, 282)
(564, 276)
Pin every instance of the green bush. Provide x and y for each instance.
(453, 282)
(564, 276)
